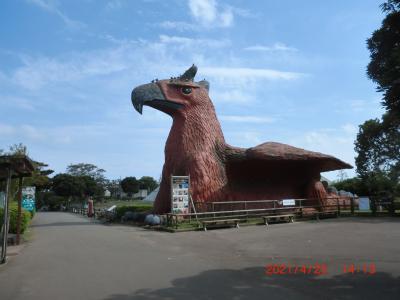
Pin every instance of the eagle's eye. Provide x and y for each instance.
(186, 90)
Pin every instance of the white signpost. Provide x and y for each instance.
(363, 203)
(288, 202)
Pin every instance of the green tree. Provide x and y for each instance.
(114, 186)
(378, 141)
(67, 185)
(40, 177)
(130, 185)
(354, 185)
(83, 169)
(148, 183)
(378, 147)
(80, 187)
(384, 46)
(18, 149)
(91, 187)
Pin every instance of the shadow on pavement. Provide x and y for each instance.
(64, 224)
(368, 219)
(252, 283)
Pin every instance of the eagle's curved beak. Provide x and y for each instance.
(143, 94)
(151, 95)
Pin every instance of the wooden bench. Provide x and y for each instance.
(324, 213)
(288, 218)
(220, 222)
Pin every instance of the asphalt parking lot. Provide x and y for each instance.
(70, 257)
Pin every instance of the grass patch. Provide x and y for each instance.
(120, 203)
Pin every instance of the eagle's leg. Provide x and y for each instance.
(317, 194)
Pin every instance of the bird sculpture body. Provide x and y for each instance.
(218, 171)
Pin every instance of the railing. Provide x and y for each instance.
(243, 209)
(98, 213)
(246, 209)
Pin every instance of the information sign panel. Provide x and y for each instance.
(28, 198)
(180, 194)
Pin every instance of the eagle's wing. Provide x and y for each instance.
(273, 153)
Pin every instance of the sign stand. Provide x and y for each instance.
(19, 214)
(194, 208)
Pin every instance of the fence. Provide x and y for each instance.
(302, 208)
(259, 208)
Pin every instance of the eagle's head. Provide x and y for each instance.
(173, 96)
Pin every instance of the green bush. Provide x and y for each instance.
(121, 210)
(52, 201)
(25, 218)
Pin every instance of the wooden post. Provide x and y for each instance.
(19, 214)
(247, 213)
(5, 220)
(274, 207)
(213, 208)
(194, 208)
(301, 208)
(352, 205)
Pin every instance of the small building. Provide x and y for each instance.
(107, 194)
(142, 193)
(152, 196)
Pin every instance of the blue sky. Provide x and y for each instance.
(284, 71)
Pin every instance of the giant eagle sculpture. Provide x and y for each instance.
(218, 171)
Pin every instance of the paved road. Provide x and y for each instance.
(71, 258)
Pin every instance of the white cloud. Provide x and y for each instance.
(234, 95)
(6, 129)
(338, 142)
(38, 72)
(51, 7)
(226, 18)
(203, 10)
(246, 119)
(32, 132)
(274, 47)
(245, 139)
(178, 25)
(113, 4)
(17, 102)
(250, 73)
(350, 128)
(360, 105)
(54, 135)
(189, 42)
(208, 13)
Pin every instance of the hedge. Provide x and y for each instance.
(25, 218)
(121, 210)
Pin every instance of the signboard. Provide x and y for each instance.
(180, 194)
(288, 202)
(28, 198)
(2, 199)
(363, 203)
